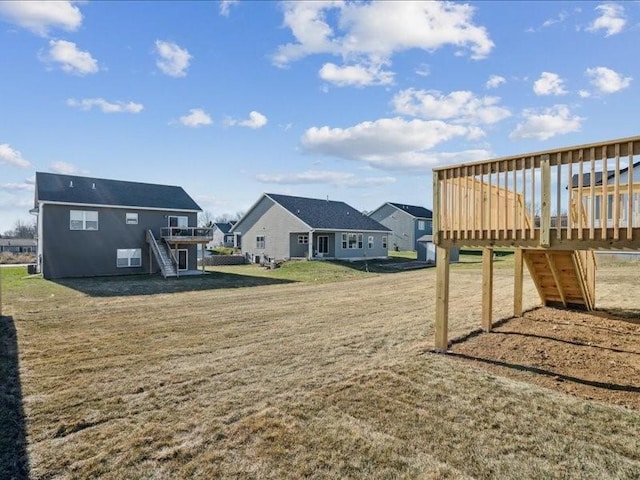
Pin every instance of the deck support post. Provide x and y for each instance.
(545, 204)
(517, 283)
(442, 299)
(487, 288)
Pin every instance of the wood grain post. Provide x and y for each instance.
(487, 288)
(442, 299)
(545, 204)
(517, 283)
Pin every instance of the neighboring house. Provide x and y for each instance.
(427, 251)
(407, 222)
(92, 226)
(221, 235)
(280, 227)
(18, 245)
(609, 180)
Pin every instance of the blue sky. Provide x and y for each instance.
(356, 101)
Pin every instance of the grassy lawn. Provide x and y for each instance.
(318, 370)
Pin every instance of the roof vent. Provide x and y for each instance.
(347, 212)
(93, 186)
(70, 183)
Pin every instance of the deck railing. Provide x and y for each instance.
(562, 198)
(187, 234)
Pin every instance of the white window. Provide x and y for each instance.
(260, 241)
(132, 218)
(422, 225)
(384, 242)
(303, 239)
(370, 242)
(129, 257)
(83, 220)
(351, 240)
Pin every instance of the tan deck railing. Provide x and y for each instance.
(562, 198)
(196, 234)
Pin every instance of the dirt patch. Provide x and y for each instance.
(591, 355)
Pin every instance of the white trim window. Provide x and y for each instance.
(129, 257)
(422, 225)
(384, 242)
(131, 218)
(260, 241)
(370, 242)
(83, 220)
(351, 241)
(303, 239)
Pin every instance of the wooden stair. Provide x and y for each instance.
(563, 278)
(163, 255)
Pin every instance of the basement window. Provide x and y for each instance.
(129, 257)
(303, 239)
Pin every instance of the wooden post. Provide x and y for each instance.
(517, 283)
(545, 204)
(442, 299)
(487, 288)
(436, 222)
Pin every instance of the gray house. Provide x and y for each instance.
(407, 222)
(18, 245)
(279, 227)
(91, 226)
(222, 236)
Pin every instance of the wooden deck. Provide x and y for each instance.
(553, 207)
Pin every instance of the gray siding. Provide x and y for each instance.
(275, 223)
(402, 236)
(83, 253)
(298, 250)
(361, 253)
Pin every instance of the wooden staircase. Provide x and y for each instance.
(163, 255)
(563, 278)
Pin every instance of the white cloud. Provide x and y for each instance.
(460, 106)
(424, 70)
(549, 84)
(389, 143)
(547, 123)
(495, 81)
(105, 106)
(18, 187)
(64, 168)
(71, 59)
(172, 60)
(225, 6)
(10, 156)
(562, 16)
(357, 75)
(584, 93)
(256, 120)
(42, 16)
(339, 179)
(360, 33)
(612, 19)
(196, 118)
(607, 80)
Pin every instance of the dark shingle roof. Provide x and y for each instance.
(586, 177)
(418, 212)
(327, 214)
(224, 227)
(52, 187)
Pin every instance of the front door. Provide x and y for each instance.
(183, 259)
(323, 244)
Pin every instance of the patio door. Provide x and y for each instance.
(183, 259)
(178, 221)
(323, 244)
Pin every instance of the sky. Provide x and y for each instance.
(352, 101)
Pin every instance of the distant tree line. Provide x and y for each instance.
(206, 219)
(22, 230)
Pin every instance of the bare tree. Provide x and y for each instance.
(22, 230)
(205, 219)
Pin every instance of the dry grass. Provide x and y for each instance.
(289, 380)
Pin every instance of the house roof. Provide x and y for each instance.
(17, 242)
(326, 214)
(72, 189)
(586, 177)
(414, 211)
(224, 227)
